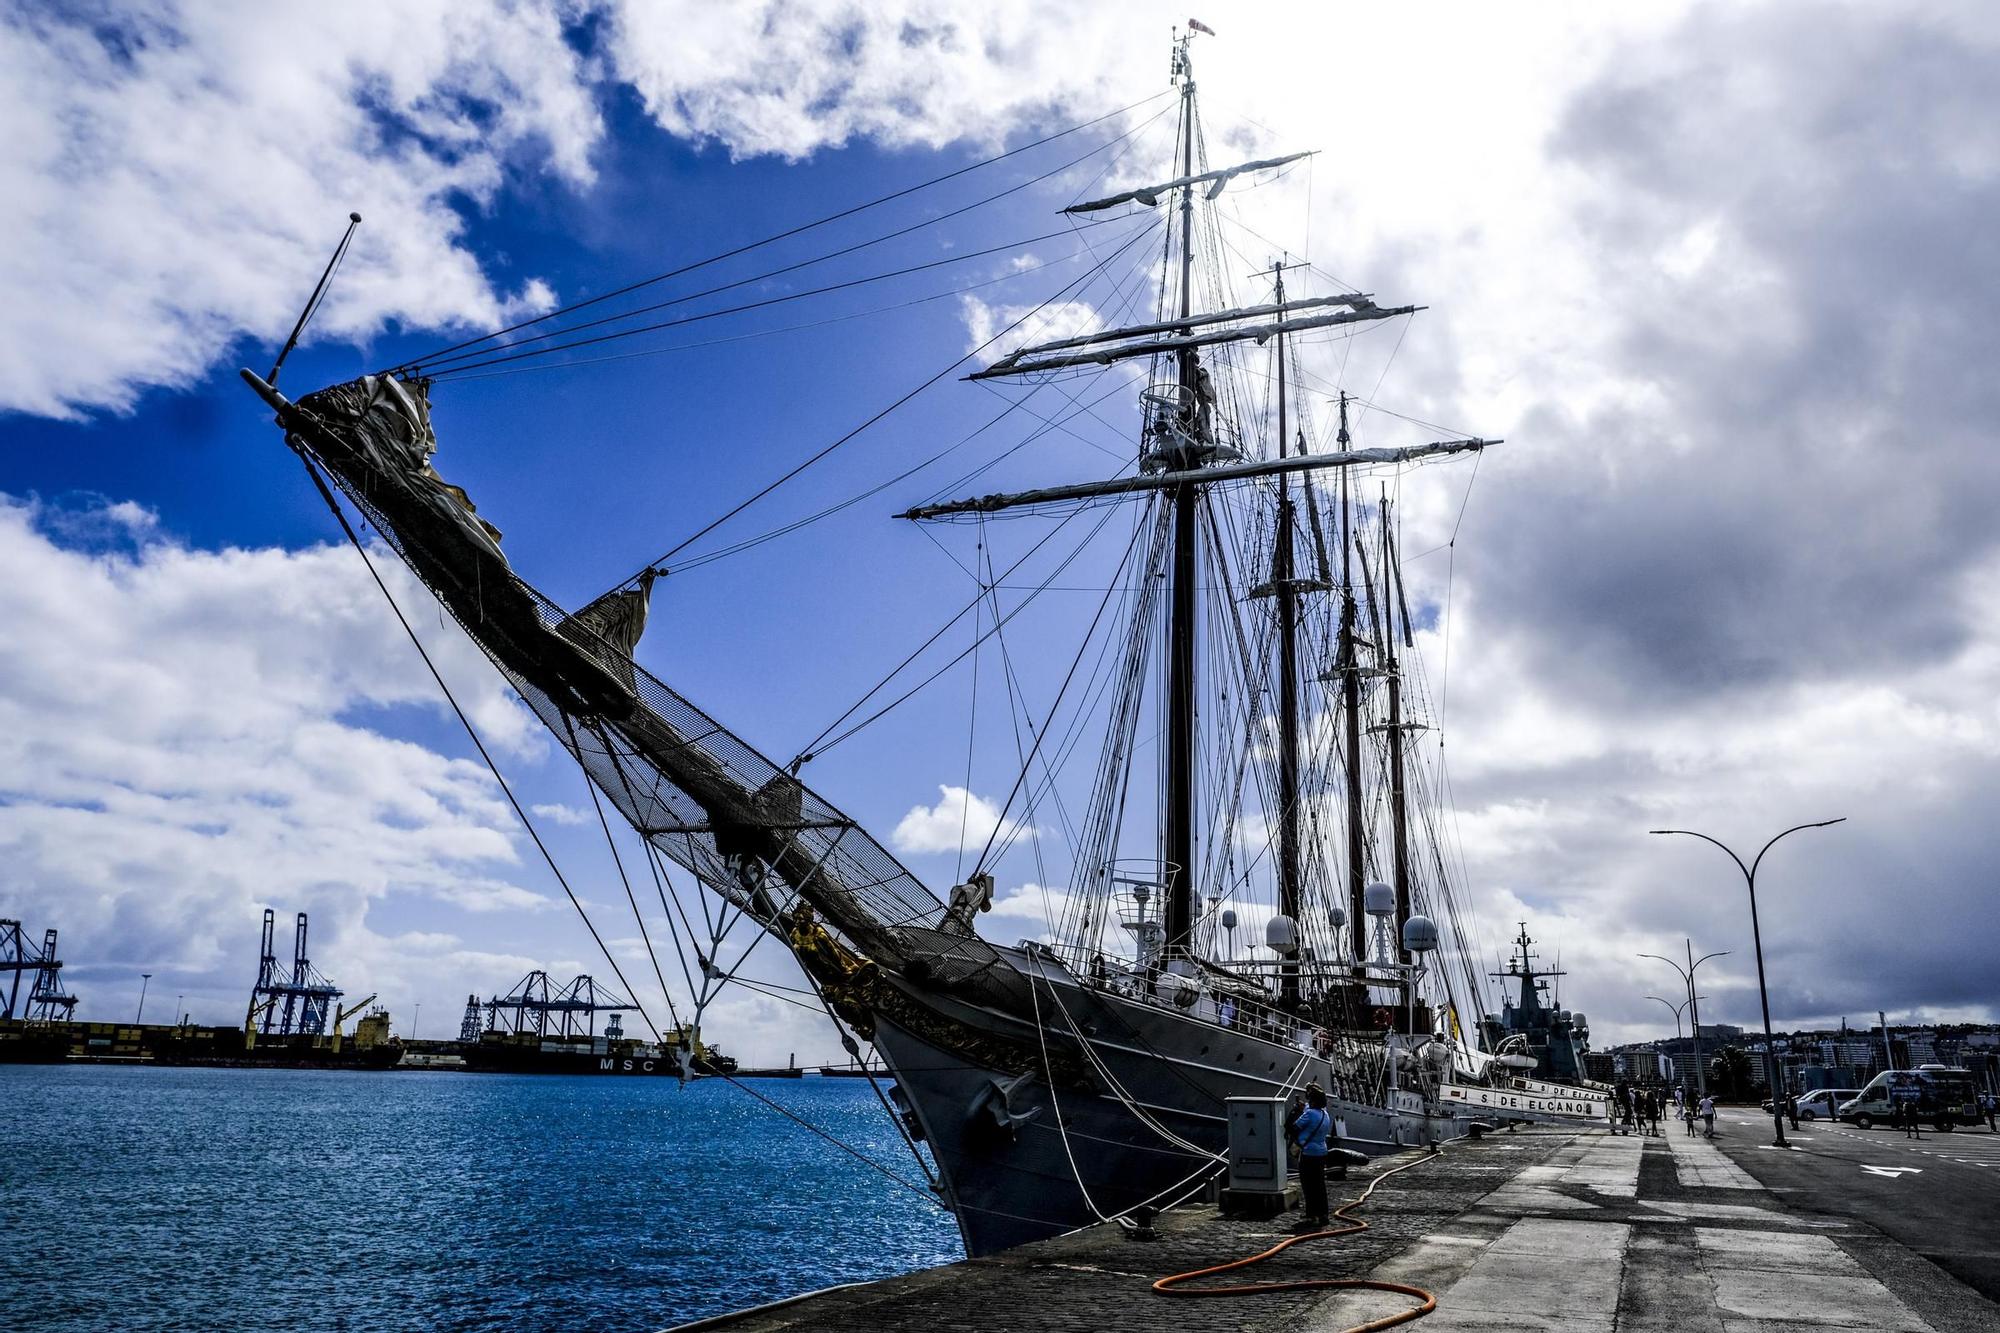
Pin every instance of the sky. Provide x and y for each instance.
(1717, 273)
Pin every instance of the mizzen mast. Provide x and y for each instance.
(1350, 702)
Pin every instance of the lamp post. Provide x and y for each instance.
(1677, 1008)
(1757, 943)
(1694, 1003)
(145, 979)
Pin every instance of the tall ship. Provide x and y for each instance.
(1259, 892)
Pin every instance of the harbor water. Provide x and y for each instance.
(158, 1199)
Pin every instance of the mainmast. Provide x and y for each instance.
(1178, 849)
(1182, 456)
(1290, 897)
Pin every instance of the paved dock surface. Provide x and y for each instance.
(1938, 1195)
(1540, 1229)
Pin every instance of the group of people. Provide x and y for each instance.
(1639, 1109)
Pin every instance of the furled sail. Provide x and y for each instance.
(746, 828)
(1149, 195)
(617, 620)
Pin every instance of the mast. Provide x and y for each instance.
(1289, 895)
(1350, 699)
(1179, 847)
(1399, 845)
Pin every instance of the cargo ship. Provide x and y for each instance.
(497, 1051)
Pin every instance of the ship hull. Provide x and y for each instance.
(489, 1058)
(1023, 1156)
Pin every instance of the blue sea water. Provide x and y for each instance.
(169, 1199)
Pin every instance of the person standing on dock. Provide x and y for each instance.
(1708, 1117)
(1310, 1132)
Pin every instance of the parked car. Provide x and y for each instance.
(1824, 1103)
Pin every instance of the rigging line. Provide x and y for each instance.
(494, 357)
(796, 231)
(771, 992)
(795, 471)
(462, 375)
(972, 725)
(1069, 676)
(707, 557)
(440, 366)
(1047, 425)
(652, 864)
(855, 707)
(680, 951)
(1450, 575)
(312, 470)
(1017, 713)
(905, 697)
(1051, 767)
(1404, 333)
(837, 1142)
(313, 301)
(673, 1015)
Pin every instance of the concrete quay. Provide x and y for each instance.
(1540, 1229)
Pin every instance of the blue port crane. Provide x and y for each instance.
(47, 1001)
(294, 1003)
(547, 1010)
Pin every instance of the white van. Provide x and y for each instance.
(1938, 1095)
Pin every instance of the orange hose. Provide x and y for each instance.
(1171, 1286)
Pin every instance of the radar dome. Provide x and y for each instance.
(1420, 934)
(1229, 918)
(1282, 933)
(1378, 899)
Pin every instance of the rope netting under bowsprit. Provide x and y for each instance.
(698, 793)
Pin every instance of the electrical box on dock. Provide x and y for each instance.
(1257, 1145)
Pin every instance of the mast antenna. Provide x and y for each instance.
(312, 302)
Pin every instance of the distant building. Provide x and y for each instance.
(1848, 1052)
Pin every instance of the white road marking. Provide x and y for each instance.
(1892, 1172)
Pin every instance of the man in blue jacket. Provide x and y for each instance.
(1311, 1132)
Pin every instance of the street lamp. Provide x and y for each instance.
(1677, 1027)
(1677, 1009)
(145, 979)
(1757, 942)
(1694, 1002)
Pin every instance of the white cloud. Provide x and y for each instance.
(176, 175)
(177, 749)
(776, 77)
(560, 813)
(1062, 319)
(960, 820)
